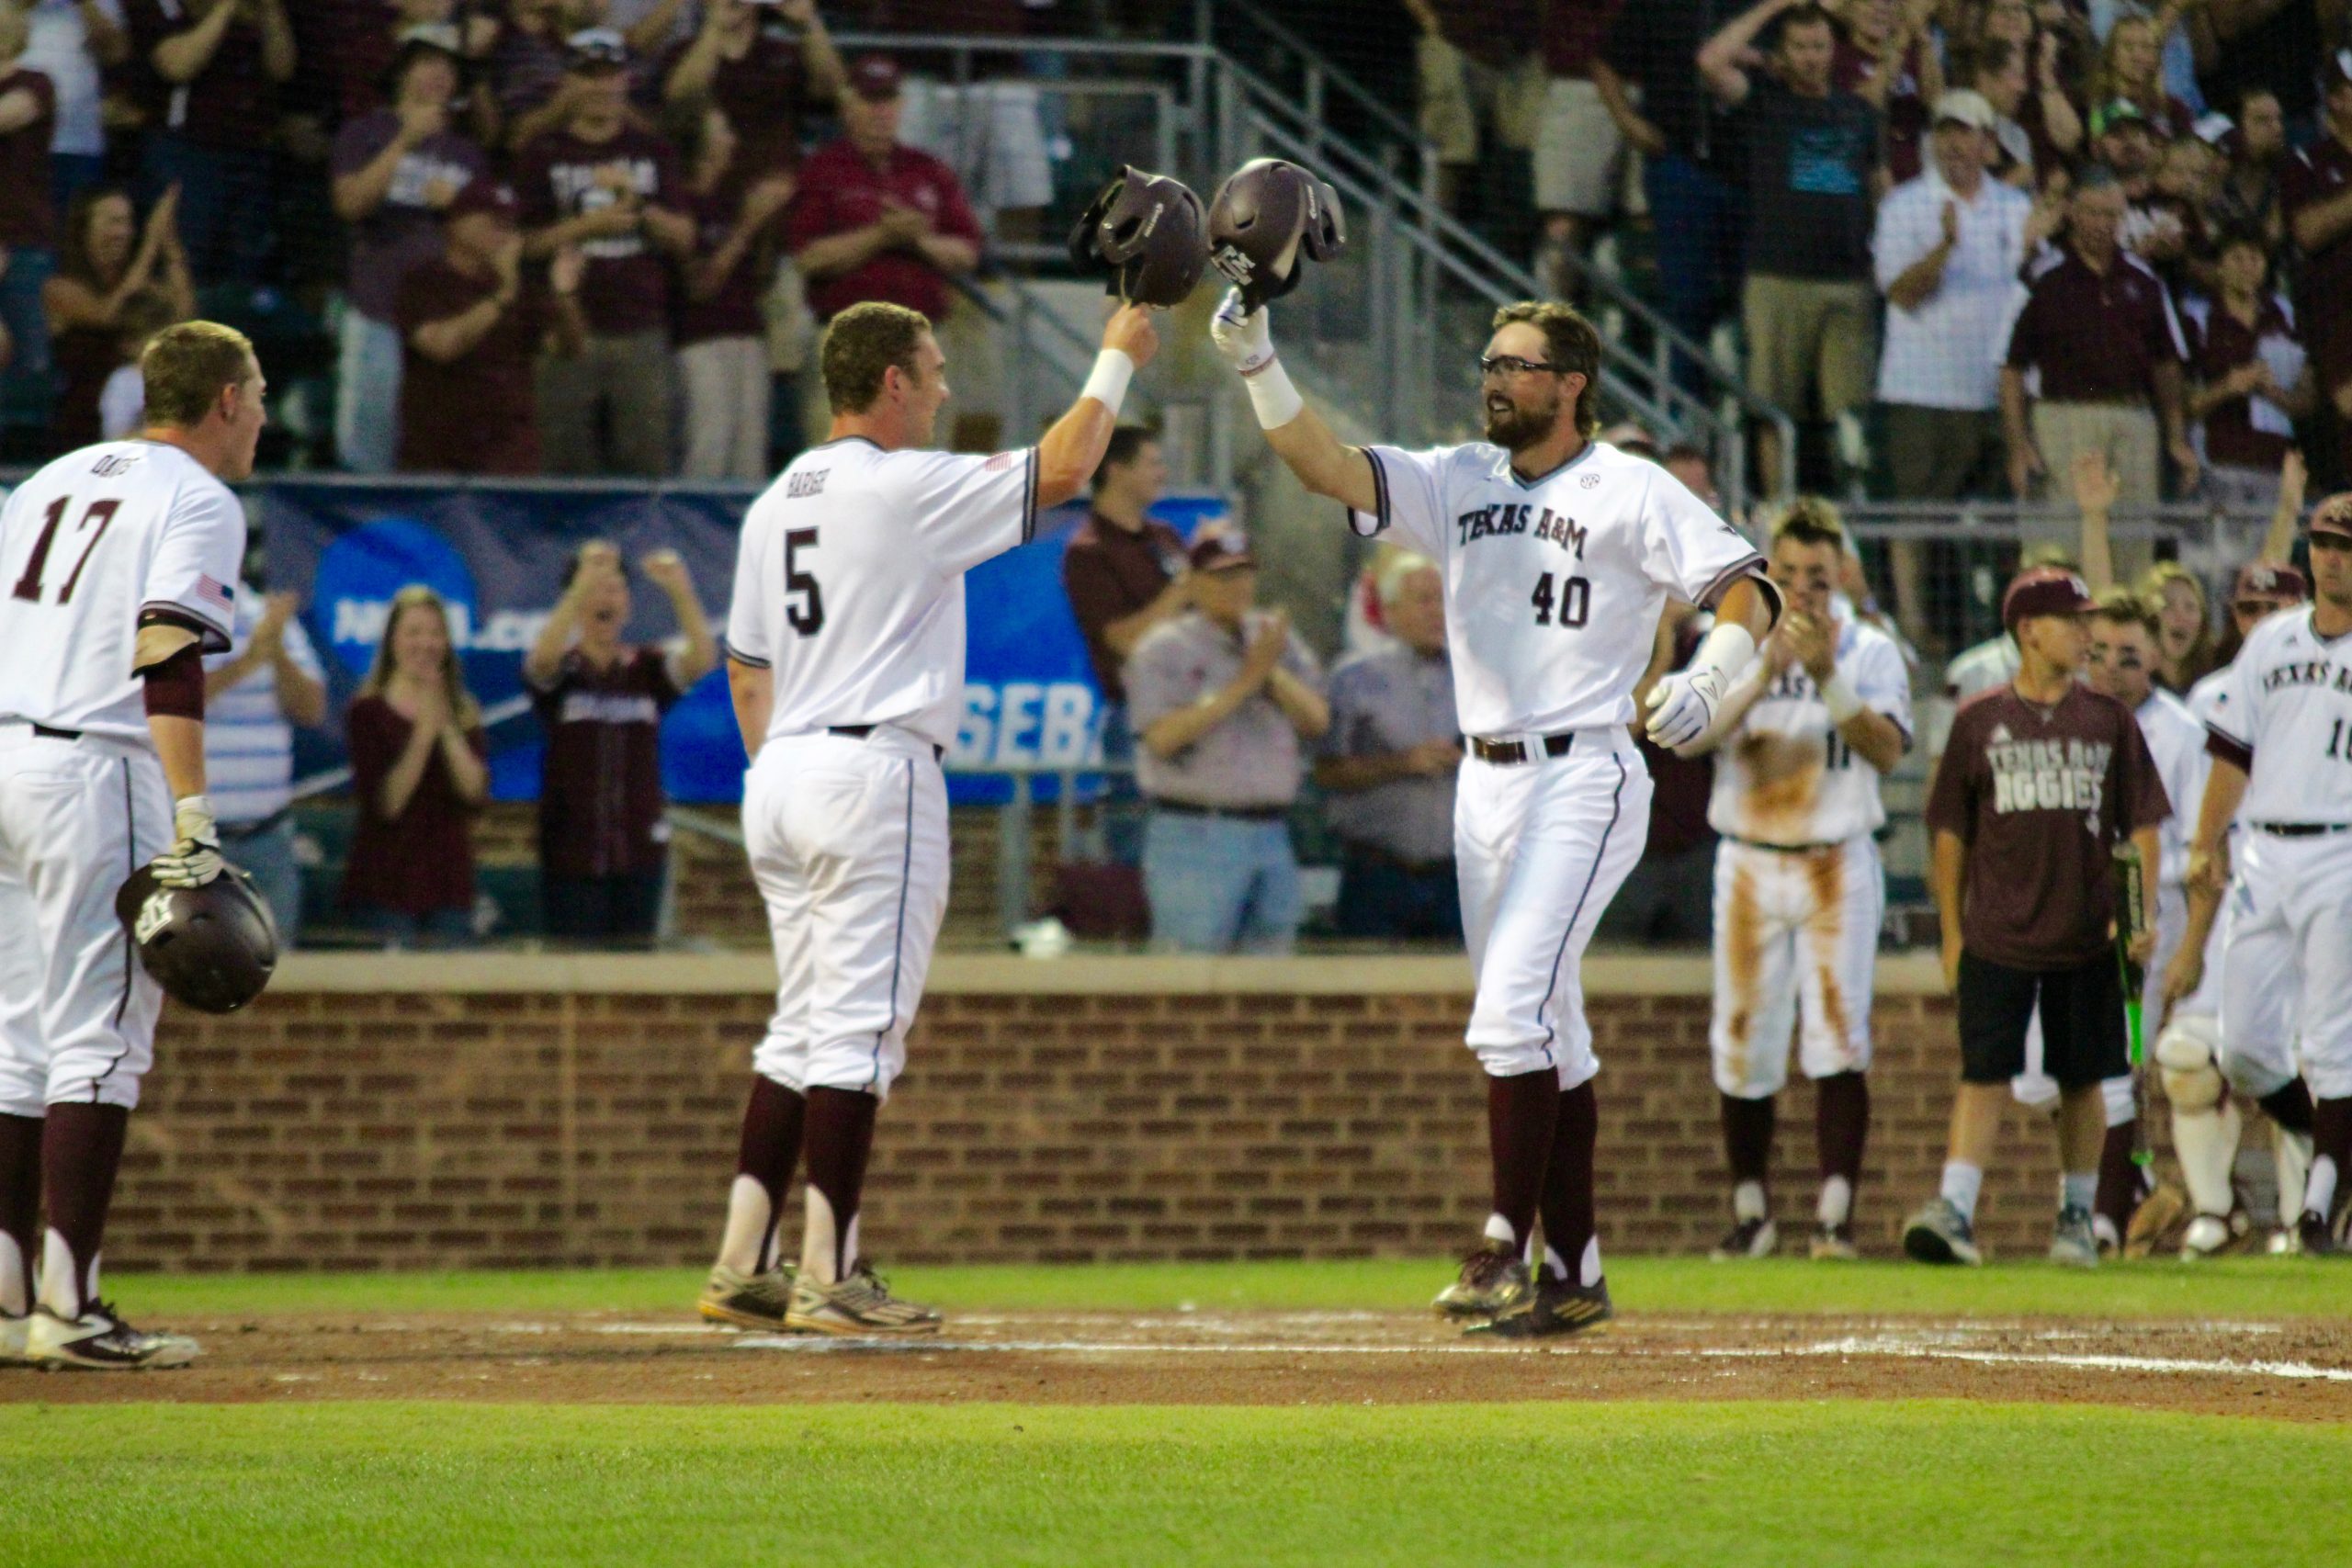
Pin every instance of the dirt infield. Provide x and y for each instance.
(2292, 1369)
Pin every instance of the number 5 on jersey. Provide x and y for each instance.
(804, 601)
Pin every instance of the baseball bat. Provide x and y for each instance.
(2131, 920)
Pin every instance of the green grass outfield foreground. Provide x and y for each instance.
(1722, 1485)
(2233, 1288)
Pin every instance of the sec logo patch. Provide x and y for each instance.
(1590, 482)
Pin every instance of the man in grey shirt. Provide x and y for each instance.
(1388, 767)
(1222, 697)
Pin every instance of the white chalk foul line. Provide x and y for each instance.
(2299, 1371)
(2290, 1371)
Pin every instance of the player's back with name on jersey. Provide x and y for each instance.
(88, 544)
(849, 582)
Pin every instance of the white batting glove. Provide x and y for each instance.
(1246, 338)
(1683, 704)
(195, 859)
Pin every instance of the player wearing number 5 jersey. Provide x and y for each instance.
(2281, 742)
(1804, 738)
(118, 566)
(846, 655)
(1558, 553)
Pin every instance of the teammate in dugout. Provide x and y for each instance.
(2206, 1119)
(1558, 553)
(1804, 738)
(2040, 779)
(124, 557)
(2282, 764)
(845, 656)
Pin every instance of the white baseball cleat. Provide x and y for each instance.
(12, 1337)
(2206, 1237)
(99, 1342)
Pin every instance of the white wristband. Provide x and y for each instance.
(1839, 697)
(1107, 383)
(1728, 650)
(1271, 393)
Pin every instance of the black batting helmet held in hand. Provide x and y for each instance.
(1148, 232)
(212, 947)
(1267, 212)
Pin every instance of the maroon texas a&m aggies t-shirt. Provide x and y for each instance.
(2041, 796)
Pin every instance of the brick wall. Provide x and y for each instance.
(478, 1111)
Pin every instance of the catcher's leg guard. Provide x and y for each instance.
(2205, 1120)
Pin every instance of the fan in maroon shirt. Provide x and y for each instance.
(2315, 193)
(2252, 383)
(469, 336)
(762, 65)
(210, 77)
(876, 219)
(602, 840)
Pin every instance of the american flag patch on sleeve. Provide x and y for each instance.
(206, 587)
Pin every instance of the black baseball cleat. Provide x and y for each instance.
(2313, 1238)
(1558, 1309)
(1759, 1238)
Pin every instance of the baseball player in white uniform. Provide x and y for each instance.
(2282, 766)
(1558, 553)
(2206, 1120)
(1802, 741)
(846, 655)
(120, 563)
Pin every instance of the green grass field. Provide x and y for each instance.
(1728, 1485)
(2242, 1286)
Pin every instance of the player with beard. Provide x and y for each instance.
(1558, 553)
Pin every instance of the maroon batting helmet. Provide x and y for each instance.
(212, 947)
(1266, 214)
(1147, 231)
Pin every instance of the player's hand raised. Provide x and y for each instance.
(1246, 338)
(1131, 331)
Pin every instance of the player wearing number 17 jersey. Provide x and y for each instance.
(1558, 553)
(2282, 768)
(845, 656)
(119, 562)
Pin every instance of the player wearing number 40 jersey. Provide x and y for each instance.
(846, 655)
(1558, 553)
(119, 562)
(2281, 741)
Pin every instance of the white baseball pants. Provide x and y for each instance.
(848, 843)
(2291, 920)
(1796, 939)
(77, 1010)
(1539, 849)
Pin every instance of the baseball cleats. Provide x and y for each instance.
(2313, 1238)
(749, 1301)
(1556, 1308)
(1940, 1232)
(2074, 1242)
(858, 1306)
(99, 1342)
(1749, 1238)
(2207, 1235)
(1833, 1243)
(1493, 1282)
(13, 1326)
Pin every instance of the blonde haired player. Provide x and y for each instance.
(1558, 552)
(845, 657)
(1801, 742)
(117, 573)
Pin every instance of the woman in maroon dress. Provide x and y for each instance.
(417, 778)
(110, 273)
